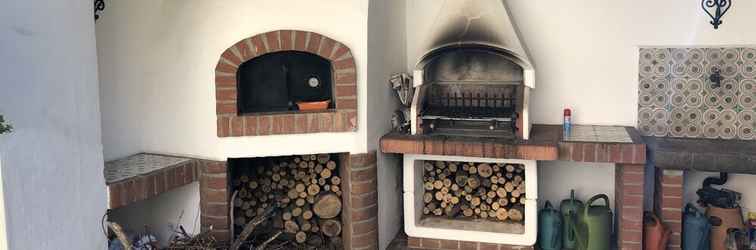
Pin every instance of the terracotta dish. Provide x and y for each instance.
(321, 105)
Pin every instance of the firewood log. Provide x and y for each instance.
(428, 185)
(335, 180)
(313, 189)
(438, 184)
(485, 182)
(502, 214)
(300, 237)
(326, 173)
(475, 201)
(440, 165)
(331, 165)
(330, 228)
(427, 197)
(452, 167)
(501, 192)
(292, 194)
(296, 212)
(438, 211)
(291, 227)
(306, 226)
(484, 170)
(516, 213)
(472, 170)
(467, 212)
(460, 180)
(327, 206)
(509, 168)
(319, 168)
(473, 182)
(428, 167)
(515, 193)
(439, 195)
(509, 187)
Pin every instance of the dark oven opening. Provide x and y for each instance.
(276, 82)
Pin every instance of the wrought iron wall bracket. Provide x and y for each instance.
(718, 7)
(99, 6)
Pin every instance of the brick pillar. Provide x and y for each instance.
(361, 205)
(629, 205)
(669, 203)
(214, 199)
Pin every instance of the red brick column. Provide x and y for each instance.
(669, 203)
(360, 217)
(214, 199)
(629, 205)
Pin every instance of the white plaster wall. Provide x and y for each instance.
(386, 50)
(53, 187)
(586, 52)
(161, 214)
(556, 178)
(157, 62)
(3, 231)
(742, 183)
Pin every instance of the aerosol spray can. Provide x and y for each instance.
(567, 123)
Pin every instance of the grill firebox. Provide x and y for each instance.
(471, 90)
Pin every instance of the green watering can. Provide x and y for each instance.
(549, 228)
(569, 208)
(593, 227)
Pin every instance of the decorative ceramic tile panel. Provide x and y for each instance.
(676, 97)
(592, 133)
(139, 164)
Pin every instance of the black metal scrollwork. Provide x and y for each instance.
(99, 6)
(719, 7)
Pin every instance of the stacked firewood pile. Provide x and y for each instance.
(492, 191)
(306, 193)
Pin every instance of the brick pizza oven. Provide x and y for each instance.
(232, 116)
(259, 84)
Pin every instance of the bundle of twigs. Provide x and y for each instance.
(201, 241)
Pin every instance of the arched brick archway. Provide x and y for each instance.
(342, 119)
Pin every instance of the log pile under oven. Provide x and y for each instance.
(306, 192)
(461, 190)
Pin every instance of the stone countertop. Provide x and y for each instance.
(142, 176)
(713, 155)
(138, 165)
(585, 143)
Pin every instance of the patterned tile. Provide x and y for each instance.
(676, 97)
(137, 165)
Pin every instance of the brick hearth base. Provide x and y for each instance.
(360, 214)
